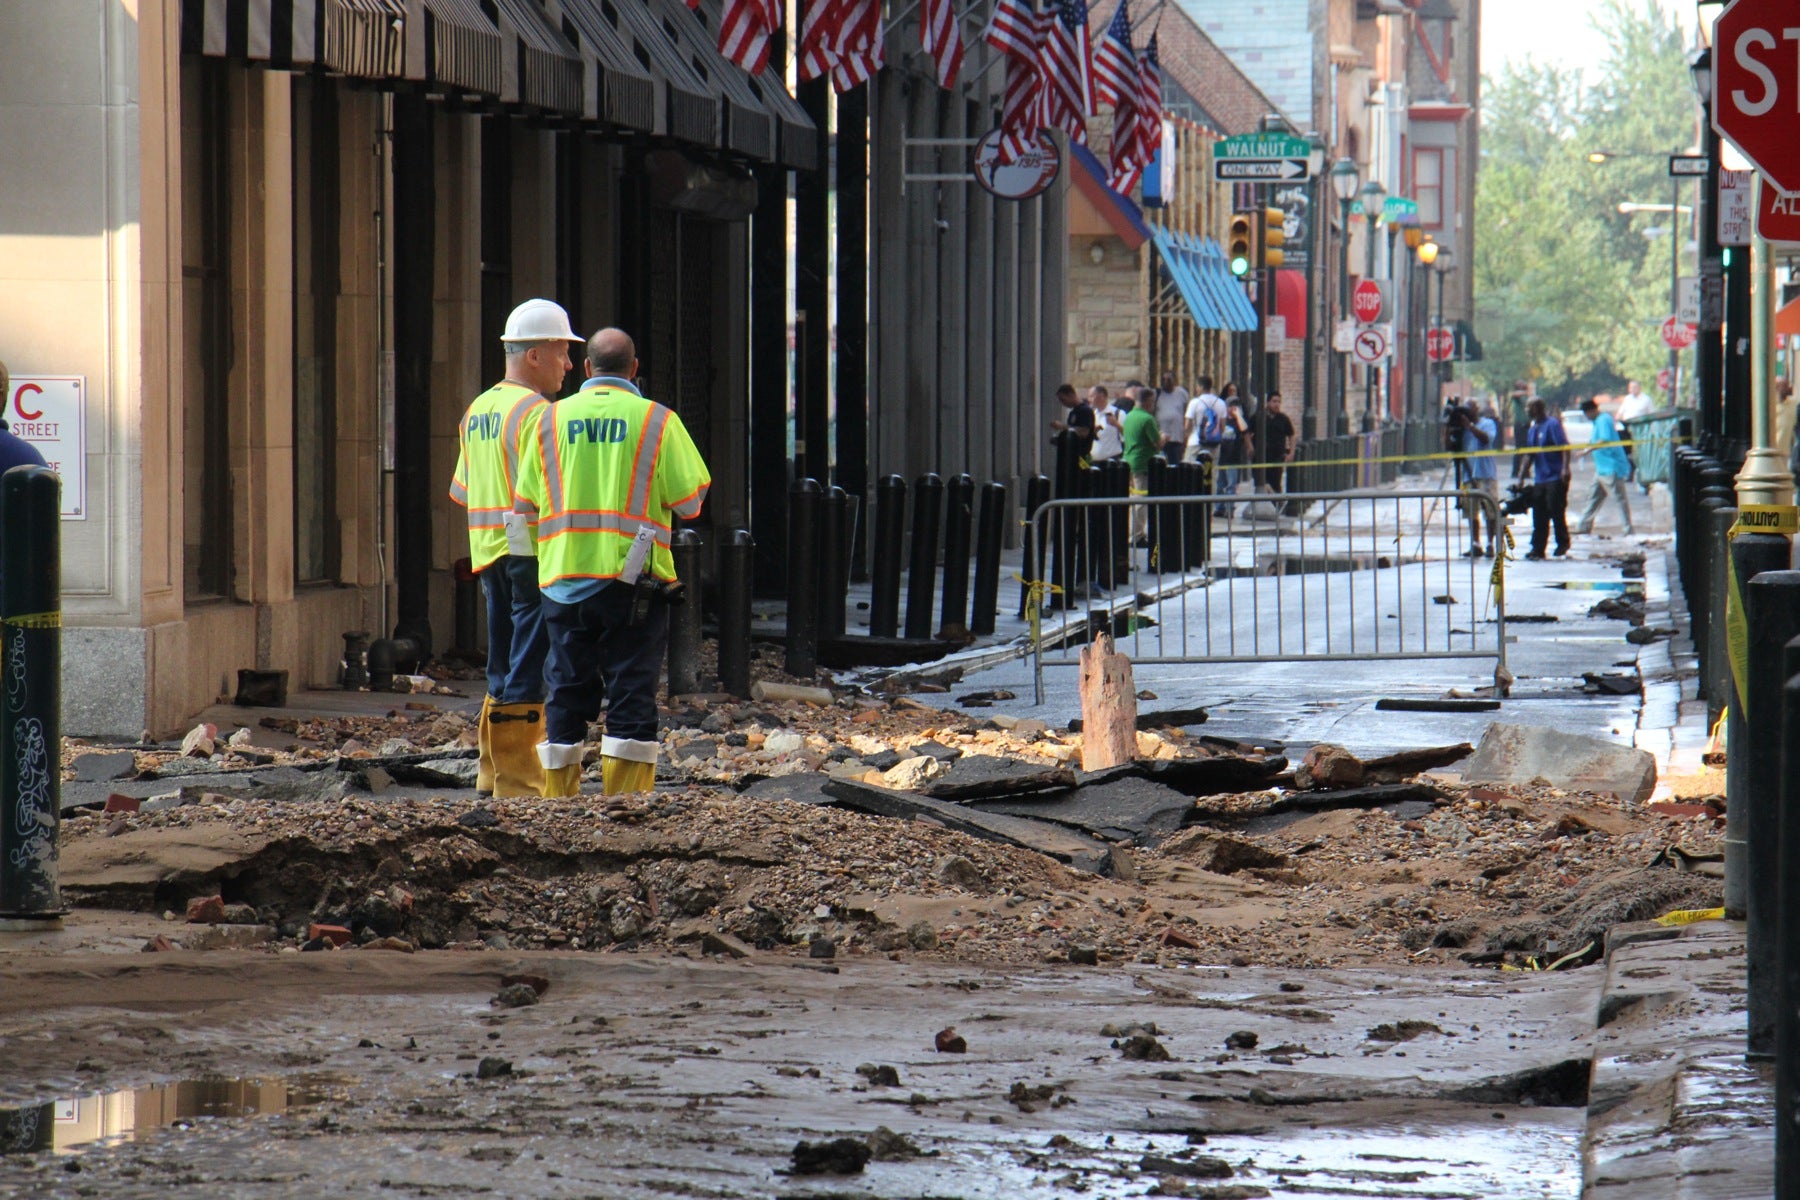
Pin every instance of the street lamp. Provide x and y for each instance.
(1345, 179)
(1412, 235)
(1372, 196)
(1427, 252)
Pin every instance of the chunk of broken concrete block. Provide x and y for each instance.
(200, 741)
(913, 774)
(1328, 765)
(104, 767)
(1518, 754)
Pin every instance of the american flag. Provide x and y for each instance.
(1017, 30)
(1149, 103)
(1127, 146)
(842, 38)
(745, 30)
(1115, 62)
(1067, 94)
(941, 37)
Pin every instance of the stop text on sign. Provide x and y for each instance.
(1756, 61)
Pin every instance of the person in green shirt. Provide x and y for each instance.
(1143, 441)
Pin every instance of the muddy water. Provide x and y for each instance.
(663, 1077)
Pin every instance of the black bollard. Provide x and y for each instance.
(1699, 593)
(1162, 528)
(1037, 494)
(884, 552)
(1065, 524)
(735, 565)
(959, 519)
(1787, 882)
(1772, 615)
(1716, 677)
(990, 536)
(921, 581)
(31, 695)
(834, 561)
(1117, 558)
(1197, 526)
(684, 617)
(803, 578)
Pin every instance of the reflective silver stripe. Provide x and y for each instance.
(691, 508)
(587, 522)
(509, 437)
(459, 491)
(487, 518)
(553, 484)
(649, 448)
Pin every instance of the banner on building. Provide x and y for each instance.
(50, 412)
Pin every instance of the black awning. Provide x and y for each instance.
(799, 137)
(749, 126)
(454, 44)
(624, 88)
(652, 32)
(539, 66)
(363, 38)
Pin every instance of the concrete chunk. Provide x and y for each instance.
(1519, 754)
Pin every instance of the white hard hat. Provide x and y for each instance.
(539, 321)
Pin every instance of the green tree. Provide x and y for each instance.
(1566, 286)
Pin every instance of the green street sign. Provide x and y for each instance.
(1398, 208)
(1263, 145)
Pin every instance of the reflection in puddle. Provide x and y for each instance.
(122, 1116)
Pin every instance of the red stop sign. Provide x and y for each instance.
(1665, 380)
(1756, 85)
(1440, 344)
(1677, 335)
(1368, 302)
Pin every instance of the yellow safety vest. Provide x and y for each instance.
(598, 467)
(487, 465)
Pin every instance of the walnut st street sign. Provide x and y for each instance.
(1756, 85)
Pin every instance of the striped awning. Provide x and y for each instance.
(622, 87)
(363, 38)
(538, 65)
(652, 33)
(455, 46)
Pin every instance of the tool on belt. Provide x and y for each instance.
(644, 585)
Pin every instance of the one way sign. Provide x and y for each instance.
(1237, 170)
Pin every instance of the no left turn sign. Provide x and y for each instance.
(1371, 345)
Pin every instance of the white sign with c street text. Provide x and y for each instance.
(50, 412)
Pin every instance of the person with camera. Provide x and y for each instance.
(1472, 431)
(1549, 481)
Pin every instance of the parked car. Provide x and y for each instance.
(1577, 426)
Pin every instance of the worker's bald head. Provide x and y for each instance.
(612, 352)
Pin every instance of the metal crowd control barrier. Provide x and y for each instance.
(1360, 577)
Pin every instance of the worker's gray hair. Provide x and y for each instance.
(518, 349)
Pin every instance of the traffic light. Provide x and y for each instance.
(1274, 236)
(1242, 244)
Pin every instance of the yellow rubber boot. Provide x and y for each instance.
(484, 771)
(515, 730)
(561, 765)
(622, 776)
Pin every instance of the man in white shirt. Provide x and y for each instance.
(1203, 425)
(1171, 412)
(1634, 403)
(1109, 437)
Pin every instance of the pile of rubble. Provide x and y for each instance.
(860, 826)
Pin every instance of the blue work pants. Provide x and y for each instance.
(517, 640)
(595, 654)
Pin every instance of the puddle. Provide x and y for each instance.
(108, 1118)
(1627, 587)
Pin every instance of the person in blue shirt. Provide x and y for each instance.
(1550, 481)
(1480, 431)
(16, 452)
(1612, 469)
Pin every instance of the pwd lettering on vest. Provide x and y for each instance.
(596, 430)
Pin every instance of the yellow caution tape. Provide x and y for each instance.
(1783, 519)
(1036, 590)
(1687, 916)
(43, 620)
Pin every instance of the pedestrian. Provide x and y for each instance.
(1480, 431)
(1203, 425)
(1518, 406)
(1635, 404)
(1143, 441)
(1612, 469)
(1278, 429)
(1077, 421)
(1108, 419)
(1550, 480)
(606, 472)
(1235, 448)
(1171, 410)
(502, 545)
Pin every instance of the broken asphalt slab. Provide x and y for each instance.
(987, 776)
(1082, 853)
(1119, 809)
(1521, 754)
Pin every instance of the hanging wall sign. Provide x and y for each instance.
(1026, 176)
